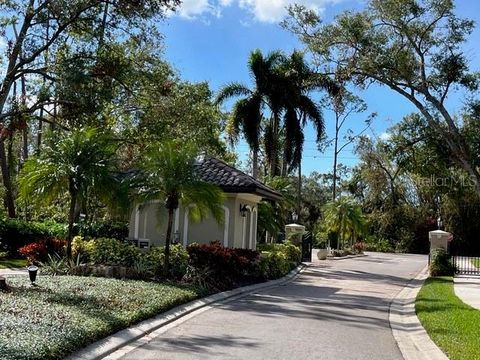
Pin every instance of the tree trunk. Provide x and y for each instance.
(25, 126)
(299, 200)
(274, 150)
(7, 183)
(166, 263)
(255, 163)
(71, 220)
(335, 157)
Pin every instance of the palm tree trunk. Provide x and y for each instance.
(71, 220)
(166, 263)
(335, 156)
(299, 200)
(255, 163)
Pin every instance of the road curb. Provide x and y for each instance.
(345, 257)
(110, 344)
(412, 339)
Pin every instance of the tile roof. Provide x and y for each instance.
(232, 180)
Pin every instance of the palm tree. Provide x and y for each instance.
(345, 218)
(169, 174)
(248, 111)
(79, 163)
(299, 108)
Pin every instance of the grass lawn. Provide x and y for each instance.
(13, 263)
(65, 313)
(451, 324)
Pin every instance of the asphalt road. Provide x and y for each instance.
(333, 310)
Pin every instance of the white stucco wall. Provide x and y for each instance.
(149, 221)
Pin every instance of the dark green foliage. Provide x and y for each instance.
(106, 251)
(107, 229)
(441, 264)
(278, 259)
(16, 233)
(65, 313)
(178, 261)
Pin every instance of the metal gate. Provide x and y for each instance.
(307, 243)
(466, 265)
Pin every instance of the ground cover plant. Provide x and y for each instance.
(451, 324)
(65, 313)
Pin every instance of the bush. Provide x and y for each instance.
(373, 243)
(38, 251)
(178, 261)
(274, 264)
(440, 263)
(16, 233)
(107, 251)
(278, 259)
(359, 247)
(220, 268)
(105, 229)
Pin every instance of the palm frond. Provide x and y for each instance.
(232, 90)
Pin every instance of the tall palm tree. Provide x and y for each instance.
(299, 80)
(345, 218)
(248, 111)
(169, 174)
(79, 163)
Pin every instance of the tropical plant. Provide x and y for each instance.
(345, 218)
(248, 111)
(80, 163)
(168, 173)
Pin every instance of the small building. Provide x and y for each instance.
(148, 221)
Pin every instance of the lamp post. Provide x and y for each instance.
(32, 273)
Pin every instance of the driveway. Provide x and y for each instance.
(333, 310)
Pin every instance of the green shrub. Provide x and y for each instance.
(106, 251)
(274, 264)
(373, 243)
(104, 229)
(440, 263)
(178, 261)
(16, 233)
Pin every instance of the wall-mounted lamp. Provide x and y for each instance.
(294, 217)
(243, 210)
(176, 237)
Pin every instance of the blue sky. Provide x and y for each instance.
(210, 40)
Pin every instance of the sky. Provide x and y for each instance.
(210, 40)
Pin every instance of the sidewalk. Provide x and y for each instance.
(467, 288)
(6, 272)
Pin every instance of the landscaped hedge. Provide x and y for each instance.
(106, 229)
(16, 233)
(220, 268)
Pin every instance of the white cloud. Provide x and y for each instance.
(192, 9)
(268, 11)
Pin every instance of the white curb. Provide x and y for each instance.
(412, 339)
(108, 345)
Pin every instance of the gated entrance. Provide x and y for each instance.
(466, 265)
(307, 243)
